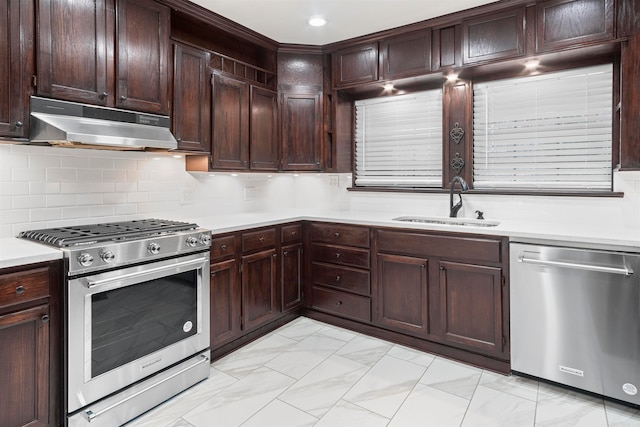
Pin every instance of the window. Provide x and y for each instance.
(552, 131)
(399, 141)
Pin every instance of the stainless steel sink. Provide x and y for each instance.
(449, 221)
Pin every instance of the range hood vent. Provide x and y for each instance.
(71, 124)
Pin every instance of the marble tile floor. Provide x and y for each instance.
(308, 373)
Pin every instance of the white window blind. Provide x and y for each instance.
(552, 131)
(399, 140)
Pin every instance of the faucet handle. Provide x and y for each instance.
(479, 215)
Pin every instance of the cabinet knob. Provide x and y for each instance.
(223, 248)
(336, 234)
(179, 139)
(285, 253)
(337, 255)
(293, 234)
(103, 95)
(244, 163)
(441, 268)
(123, 98)
(339, 303)
(19, 124)
(213, 274)
(20, 290)
(338, 278)
(45, 318)
(261, 239)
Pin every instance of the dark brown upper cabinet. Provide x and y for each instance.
(355, 65)
(75, 50)
(263, 141)
(406, 55)
(90, 51)
(564, 23)
(16, 66)
(492, 37)
(230, 119)
(301, 131)
(446, 47)
(142, 42)
(191, 116)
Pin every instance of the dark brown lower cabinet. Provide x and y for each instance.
(291, 265)
(29, 346)
(471, 307)
(225, 302)
(259, 288)
(402, 297)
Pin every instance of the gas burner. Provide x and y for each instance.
(64, 237)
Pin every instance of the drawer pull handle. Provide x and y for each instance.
(261, 239)
(20, 290)
(338, 278)
(293, 234)
(337, 234)
(337, 255)
(339, 303)
(285, 253)
(45, 318)
(223, 248)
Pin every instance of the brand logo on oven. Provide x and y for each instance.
(149, 363)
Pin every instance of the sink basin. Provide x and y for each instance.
(449, 221)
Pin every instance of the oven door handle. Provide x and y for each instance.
(93, 415)
(100, 282)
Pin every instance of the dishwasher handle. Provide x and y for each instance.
(626, 271)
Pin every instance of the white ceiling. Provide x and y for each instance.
(285, 21)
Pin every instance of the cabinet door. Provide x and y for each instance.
(291, 276)
(191, 107)
(402, 294)
(301, 131)
(142, 41)
(75, 50)
(355, 65)
(263, 145)
(16, 66)
(493, 37)
(225, 302)
(471, 307)
(259, 288)
(230, 118)
(24, 350)
(406, 56)
(564, 23)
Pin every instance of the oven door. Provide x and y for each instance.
(128, 324)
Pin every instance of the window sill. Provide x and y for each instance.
(503, 192)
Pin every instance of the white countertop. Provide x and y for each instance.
(15, 251)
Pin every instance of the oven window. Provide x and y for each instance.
(131, 322)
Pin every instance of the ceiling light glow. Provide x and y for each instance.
(452, 77)
(388, 86)
(317, 21)
(532, 64)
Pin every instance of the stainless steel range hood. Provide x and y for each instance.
(71, 124)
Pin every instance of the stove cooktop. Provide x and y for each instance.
(64, 237)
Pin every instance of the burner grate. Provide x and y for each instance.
(114, 231)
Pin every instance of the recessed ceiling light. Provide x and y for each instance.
(452, 77)
(317, 21)
(388, 86)
(532, 64)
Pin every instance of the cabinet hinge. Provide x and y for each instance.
(504, 340)
(503, 280)
(240, 268)
(34, 80)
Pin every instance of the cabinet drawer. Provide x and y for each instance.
(342, 303)
(340, 235)
(223, 247)
(258, 239)
(340, 255)
(471, 249)
(342, 277)
(291, 233)
(24, 286)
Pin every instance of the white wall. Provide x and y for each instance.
(46, 186)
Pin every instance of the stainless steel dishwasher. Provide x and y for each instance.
(575, 318)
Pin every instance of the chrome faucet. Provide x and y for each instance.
(453, 209)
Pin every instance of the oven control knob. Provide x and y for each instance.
(153, 248)
(107, 256)
(205, 239)
(192, 241)
(85, 259)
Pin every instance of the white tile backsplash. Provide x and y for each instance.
(46, 186)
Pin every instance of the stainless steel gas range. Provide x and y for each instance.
(136, 302)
